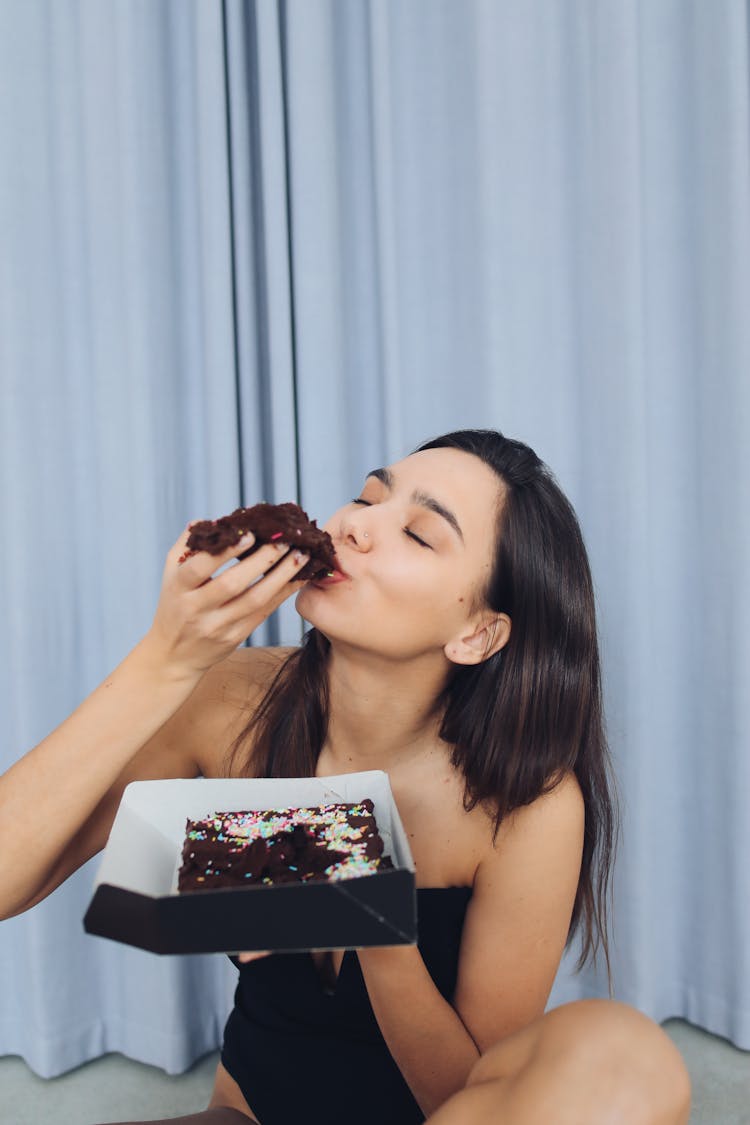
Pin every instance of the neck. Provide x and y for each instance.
(382, 713)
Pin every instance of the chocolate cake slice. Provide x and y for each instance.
(269, 523)
(241, 849)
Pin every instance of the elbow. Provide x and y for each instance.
(13, 909)
(11, 905)
(440, 1092)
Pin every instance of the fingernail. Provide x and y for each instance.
(299, 557)
(281, 547)
(246, 540)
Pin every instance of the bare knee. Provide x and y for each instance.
(638, 1060)
(595, 1054)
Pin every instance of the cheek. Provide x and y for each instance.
(400, 605)
(428, 599)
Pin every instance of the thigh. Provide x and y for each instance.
(228, 1095)
(592, 1062)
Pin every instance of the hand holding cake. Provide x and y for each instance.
(203, 615)
(267, 523)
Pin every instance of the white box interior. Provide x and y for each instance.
(143, 853)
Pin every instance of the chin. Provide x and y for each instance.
(312, 606)
(303, 600)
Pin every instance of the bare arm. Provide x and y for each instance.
(64, 778)
(74, 778)
(425, 1034)
(513, 938)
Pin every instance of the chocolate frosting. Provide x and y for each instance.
(285, 523)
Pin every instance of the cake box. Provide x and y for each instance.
(136, 902)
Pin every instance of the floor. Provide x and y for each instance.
(113, 1088)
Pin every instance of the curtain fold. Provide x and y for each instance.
(252, 250)
(263, 310)
(129, 319)
(536, 218)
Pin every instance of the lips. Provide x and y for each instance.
(335, 577)
(332, 579)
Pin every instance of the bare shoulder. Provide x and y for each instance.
(548, 831)
(224, 702)
(543, 838)
(554, 817)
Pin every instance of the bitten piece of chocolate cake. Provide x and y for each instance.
(269, 523)
(241, 849)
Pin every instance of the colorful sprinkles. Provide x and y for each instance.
(347, 831)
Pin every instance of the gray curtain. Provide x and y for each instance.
(251, 251)
(121, 418)
(537, 217)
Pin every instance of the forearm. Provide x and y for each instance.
(47, 800)
(425, 1035)
(48, 794)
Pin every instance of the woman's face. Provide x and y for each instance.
(417, 547)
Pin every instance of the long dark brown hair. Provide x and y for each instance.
(523, 718)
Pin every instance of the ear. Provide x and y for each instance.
(490, 635)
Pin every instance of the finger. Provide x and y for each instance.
(273, 589)
(179, 547)
(249, 615)
(264, 574)
(243, 575)
(197, 567)
(287, 591)
(245, 957)
(249, 610)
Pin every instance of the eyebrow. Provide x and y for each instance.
(385, 476)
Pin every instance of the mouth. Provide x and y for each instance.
(333, 577)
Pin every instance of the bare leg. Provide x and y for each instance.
(593, 1062)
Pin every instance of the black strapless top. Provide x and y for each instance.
(303, 1053)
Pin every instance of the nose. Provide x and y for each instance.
(355, 534)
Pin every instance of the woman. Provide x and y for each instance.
(457, 650)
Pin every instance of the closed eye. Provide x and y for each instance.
(406, 531)
(416, 539)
